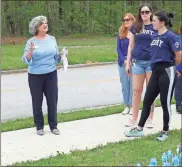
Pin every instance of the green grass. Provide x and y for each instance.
(65, 117)
(93, 54)
(62, 117)
(123, 153)
(104, 52)
(87, 41)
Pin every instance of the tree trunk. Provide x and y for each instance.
(115, 15)
(48, 15)
(72, 16)
(31, 2)
(131, 2)
(110, 11)
(20, 18)
(124, 5)
(60, 10)
(87, 11)
(142, 2)
(9, 21)
(154, 5)
(80, 27)
(87, 8)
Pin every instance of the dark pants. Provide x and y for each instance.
(44, 84)
(162, 81)
(178, 91)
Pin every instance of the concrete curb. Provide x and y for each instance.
(70, 66)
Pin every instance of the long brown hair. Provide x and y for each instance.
(123, 31)
(138, 25)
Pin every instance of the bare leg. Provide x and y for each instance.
(138, 81)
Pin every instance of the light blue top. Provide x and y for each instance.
(45, 56)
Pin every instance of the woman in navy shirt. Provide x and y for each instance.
(139, 55)
(165, 50)
(122, 50)
(178, 85)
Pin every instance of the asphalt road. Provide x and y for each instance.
(78, 88)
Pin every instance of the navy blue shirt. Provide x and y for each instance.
(179, 67)
(142, 50)
(163, 47)
(122, 49)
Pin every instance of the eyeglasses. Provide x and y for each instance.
(126, 20)
(144, 12)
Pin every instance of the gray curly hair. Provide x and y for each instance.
(35, 23)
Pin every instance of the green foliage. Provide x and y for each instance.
(77, 17)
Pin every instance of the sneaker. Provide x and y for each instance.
(55, 131)
(162, 136)
(126, 111)
(134, 132)
(179, 110)
(130, 111)
(131, 123)
(149, 124)
(40, 132)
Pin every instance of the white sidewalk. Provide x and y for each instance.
(23, 145)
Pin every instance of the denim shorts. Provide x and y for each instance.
(141, 66)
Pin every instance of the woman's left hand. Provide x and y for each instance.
(178, 74)
(60, 54)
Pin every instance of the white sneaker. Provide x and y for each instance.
(131, 123)
(130, 111)
(126, 111)
(149, 124)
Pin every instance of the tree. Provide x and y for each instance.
(87, 8)
(20, 23)
(10, 25)
(60, 4)
(48, 15)
(72, 16)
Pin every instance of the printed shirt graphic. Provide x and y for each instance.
(163, 47)
(142, 50)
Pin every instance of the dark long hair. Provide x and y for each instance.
(138, 25)
(165, 17)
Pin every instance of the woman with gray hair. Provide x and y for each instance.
(41, 54)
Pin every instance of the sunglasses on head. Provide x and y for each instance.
(145, 12)
(126, 20)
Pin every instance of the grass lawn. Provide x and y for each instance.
(65, 117)
(88, 41)
(123, 153)
(104, 52)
